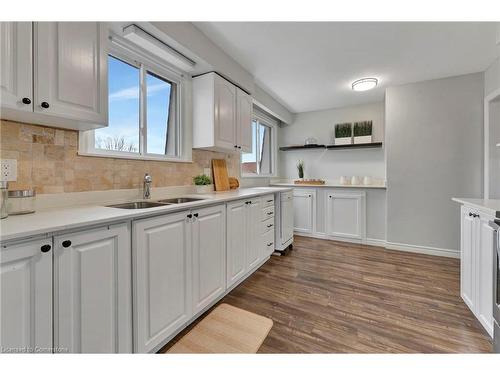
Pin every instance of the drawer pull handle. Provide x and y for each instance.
(269, 201)
(270, 213)
(269, 244)
(270, 225)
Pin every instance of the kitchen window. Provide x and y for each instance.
(143, 111)
(261, 161)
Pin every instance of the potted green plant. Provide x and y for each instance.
(300, 169)
(203, 184)
(343, 134)
(362, 132)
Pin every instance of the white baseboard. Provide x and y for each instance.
(375, 242)
(423, 250)
(449, 253)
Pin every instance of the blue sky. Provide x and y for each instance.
(123, 87)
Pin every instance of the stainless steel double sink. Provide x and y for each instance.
(159, 203)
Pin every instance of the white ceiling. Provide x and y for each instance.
(310, 66)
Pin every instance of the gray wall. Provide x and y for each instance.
(331, 164)
(434, 152)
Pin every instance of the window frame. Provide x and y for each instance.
(145, 62)
(273, 125)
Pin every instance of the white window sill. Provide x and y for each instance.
(132, 157)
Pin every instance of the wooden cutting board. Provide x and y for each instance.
(221, 179)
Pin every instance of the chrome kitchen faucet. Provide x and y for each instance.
(147, 186)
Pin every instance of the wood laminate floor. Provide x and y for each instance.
(336, 297)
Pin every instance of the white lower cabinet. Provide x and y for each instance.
(162, 278)
(179, 264)
(345, 215)
(476, 265)
(236, 241)
(244, 243)
(303, 205)
(26, 297)
(209, 256)
(92, 291)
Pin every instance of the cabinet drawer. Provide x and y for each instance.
(268, 225)
(268, 200)
(267, 213)
(268, 242)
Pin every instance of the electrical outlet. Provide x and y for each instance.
(9, 170)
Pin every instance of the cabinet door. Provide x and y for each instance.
(467, 261)
(93, 291)
(16, 77)
(209, 256)
(26, 296)
(484, 272)
(303, 211)
(71, 70)
(225, 113)
(162, 274)
(254, 233)
(345, 215)
(236, 242)
(286, 216)
(244, 120)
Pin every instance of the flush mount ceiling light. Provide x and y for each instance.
(364, 84)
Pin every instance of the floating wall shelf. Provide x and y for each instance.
(305, 147)
(332, 147)
(357, 145)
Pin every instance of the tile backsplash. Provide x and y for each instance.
(48, 160)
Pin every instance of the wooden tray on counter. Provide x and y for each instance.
(309, 182)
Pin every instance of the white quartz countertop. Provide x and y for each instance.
(68, 218)
(330, 184)
(490, 205)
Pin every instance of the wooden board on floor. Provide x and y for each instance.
(221, 179)
(227, 329)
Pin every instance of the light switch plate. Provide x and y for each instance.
(8, 170)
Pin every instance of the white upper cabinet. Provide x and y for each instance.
(16, 85)
(55, 73)
(222, 115)
(225, 113)
(93, 290)
(26, 296)
(70, 70)
(209, 256)
(244, 107)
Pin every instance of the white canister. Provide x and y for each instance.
(367, 180)
(344, 180)
(354, 180)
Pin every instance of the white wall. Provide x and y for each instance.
(494, 150)
(434, 152)
(270, 105)
(492, 84)
(492, 77)
(331, 164)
